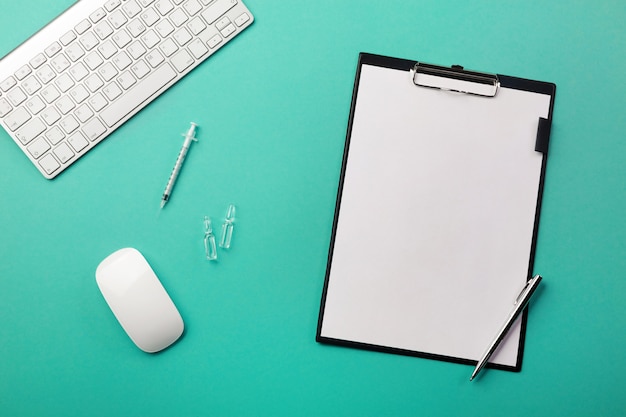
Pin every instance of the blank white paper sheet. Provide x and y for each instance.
(435, 222)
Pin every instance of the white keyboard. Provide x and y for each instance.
(92, 68)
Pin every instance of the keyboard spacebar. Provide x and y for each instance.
(134, 97)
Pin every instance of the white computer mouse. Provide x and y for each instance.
(138, 300)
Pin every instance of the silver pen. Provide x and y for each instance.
(520, 303)
(189, 136)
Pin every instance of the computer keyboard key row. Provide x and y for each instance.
(117, 56)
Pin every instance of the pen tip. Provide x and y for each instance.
(475, 373)
(162, 203)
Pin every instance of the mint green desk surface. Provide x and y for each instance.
(272, 109)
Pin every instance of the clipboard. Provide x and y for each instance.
(437, 211)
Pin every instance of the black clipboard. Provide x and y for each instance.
(437, 211)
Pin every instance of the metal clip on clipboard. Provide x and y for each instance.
(459, 80)
(455, 79)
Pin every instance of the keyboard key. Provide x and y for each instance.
(136, 28)
(54, 135)
(39, 147)
(93, 82)
(23, 72)
(49, 164)
(63, 152)
(168, 47)
(242, 19)
(146, 3)
(182, 36)
(154, 58)
(31, 85)
(83, 113)
(16, 96)
(94, 129)
(122, 61)
(69, 124)
(60, 63)
(196, 25)
(150, 17)
(107, 49)
(93, 60)
(222, 23)
(217, 10)
(65, 104)
(89, 41)
(79, 71)
(107, 72)
(140, 69)
(112, 5)
(197, 48)
(46, 74)
(16, 119)
(37, 61)
(5, 107)
(50, 115)
(98, 15)
(126, 80)
(7, 84)
(150, 39)
(192, 7)
(97, 102)
(34, 105)
(136, 50)
(78, 141)
(178, 17)
(30, 130)
(112, 91)
(103, 30)
(121, 38)
(164, 27)
(79, 94)
(182, 60)
(67, 38)
(163, 7)
(131, 9)
(50, 93)
(82, 27)
(214, 41)
(228, 30)
(74, 52)
(136, 96)
(117, 19)
(53, 49)
(64, 82)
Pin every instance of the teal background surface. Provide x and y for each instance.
(273, 107)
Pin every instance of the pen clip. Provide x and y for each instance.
(526, 288)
